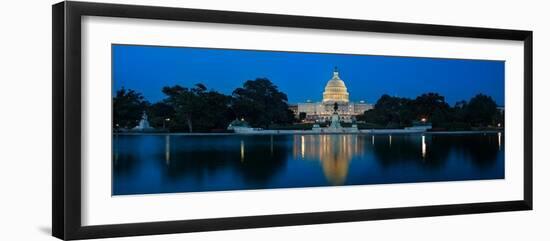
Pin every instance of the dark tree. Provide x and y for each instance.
(216, 113)
(186, 105)
(460, 111)
(499, 118)
(481, 110)
(371, 116)
(260, 103)
(128, 106)
(392, 111)
(197, 108)
(161, 115)
(433, 107)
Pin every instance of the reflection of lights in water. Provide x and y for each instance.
(499, 140)
(373, 139)
(423, 146)
(303, 147)
(390, 140)
(334, 152)
(242, 150)
(356, 146)
(271, 144)
(345, 139)
(115, 149)
(167, 150)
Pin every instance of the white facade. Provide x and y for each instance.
(319, 112)
(335, 92)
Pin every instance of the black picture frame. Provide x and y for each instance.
(66, 164)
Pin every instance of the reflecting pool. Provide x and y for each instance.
(144, 164)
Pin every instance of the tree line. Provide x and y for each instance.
(259, 102)
(394, 112)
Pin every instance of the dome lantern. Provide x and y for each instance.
(335, 90)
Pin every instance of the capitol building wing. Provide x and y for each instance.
(335, 92)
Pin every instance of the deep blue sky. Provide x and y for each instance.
(303, 76)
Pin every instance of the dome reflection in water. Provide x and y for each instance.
(145, 164)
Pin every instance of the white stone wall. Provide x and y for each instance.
(317, 111)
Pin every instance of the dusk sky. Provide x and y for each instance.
(302, 76)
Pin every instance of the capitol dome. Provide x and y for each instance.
(335, 90)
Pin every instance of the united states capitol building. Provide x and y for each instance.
(335, 92)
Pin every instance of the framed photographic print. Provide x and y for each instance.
(170, 120)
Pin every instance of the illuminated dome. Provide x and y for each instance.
(335, 90)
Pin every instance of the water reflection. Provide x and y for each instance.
(242, 150)
(334, 152)
(125, 160)
(303, 147)
(271, 145)
(423, 146)
(115, 149)
(168, 163)
(167, 149)
(499, 141)
(479, 150)
(203, 157)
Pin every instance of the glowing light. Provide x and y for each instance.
(423, 119)
(303, 147)
(334, 152)
(423, 146)
(499, 140)
(335, 90)
(242, 150)
(345, 141)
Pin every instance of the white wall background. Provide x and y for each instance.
(25, 120)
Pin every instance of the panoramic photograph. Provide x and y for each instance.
(189, 119)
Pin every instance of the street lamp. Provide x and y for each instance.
(164, 123)
(423, 119)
